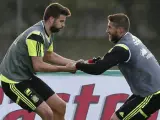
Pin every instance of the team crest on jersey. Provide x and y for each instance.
(35, 99)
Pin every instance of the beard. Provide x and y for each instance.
(114, 38)
(53, 29)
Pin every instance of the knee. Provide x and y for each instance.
(114, 117)
(47, 115)
(63, 109)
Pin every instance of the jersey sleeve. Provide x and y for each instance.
(117, 55)
(35, 44)
(122, 52)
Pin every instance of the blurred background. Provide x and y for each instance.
(85, 33)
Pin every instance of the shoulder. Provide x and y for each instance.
(36, 35)
(34, 32)
(119, 48)
(122, 46)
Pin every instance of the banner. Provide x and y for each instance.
(88, 97)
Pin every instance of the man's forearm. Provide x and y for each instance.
(57, 59)
(45, 67)
(93, 69)
(61, 60)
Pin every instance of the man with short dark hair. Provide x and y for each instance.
(32, 52)
(137, 64)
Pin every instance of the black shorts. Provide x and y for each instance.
(28, 94)
(139, 108)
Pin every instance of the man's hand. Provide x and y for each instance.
(71, 66)
(94, 59)
(80, 60)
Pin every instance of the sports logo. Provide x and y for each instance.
(28, 91)
(35, 99)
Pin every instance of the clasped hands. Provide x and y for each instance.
(72, 65)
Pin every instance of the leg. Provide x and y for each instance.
(130, 98)
(128, 110)
(28, 99)
(44, 111)
(57, 105)
(114, 117)
(139, 108)
(152, 106)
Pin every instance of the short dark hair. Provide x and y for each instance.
(120, 20)
(55, 10)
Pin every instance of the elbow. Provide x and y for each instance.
(37, 68)
(99, 71)
(37, 64)
(95, 72)
(47, 58)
